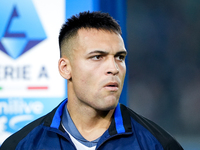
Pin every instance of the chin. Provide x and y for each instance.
(107, 103)
(111, 106)
(105, 106)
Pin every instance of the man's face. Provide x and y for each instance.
(97, 69)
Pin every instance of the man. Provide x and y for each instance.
(93, 61)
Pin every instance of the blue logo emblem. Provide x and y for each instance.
(20, 27)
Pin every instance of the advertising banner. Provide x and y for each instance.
(30, 84)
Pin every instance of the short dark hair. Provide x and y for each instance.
(97, 20)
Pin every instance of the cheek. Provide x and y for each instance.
(83, 77)
(122, 67)
(87, 74)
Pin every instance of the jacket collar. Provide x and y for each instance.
(121, 122)
(119, 125)
(58, 115)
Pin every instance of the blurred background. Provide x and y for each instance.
(163, 42)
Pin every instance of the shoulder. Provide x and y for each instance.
(32, 129)
(20, 135)
(163, 137)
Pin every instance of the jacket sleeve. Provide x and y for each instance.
(173, 146)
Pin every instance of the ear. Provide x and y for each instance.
(64, 68)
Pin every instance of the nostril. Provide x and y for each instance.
(113, 72)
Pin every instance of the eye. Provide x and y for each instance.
(96, 57)
(120, 57)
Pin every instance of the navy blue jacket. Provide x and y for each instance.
(128, 131)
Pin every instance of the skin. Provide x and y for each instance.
(95, 72)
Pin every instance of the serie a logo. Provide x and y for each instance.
(20, 27)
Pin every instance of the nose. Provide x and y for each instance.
(112, 67)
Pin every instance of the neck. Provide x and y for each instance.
(90, 123)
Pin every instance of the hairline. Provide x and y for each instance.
(74, 34)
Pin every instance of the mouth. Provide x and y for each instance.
(112, 86)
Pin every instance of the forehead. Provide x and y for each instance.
(99, 39)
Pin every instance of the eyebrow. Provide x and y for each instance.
(121, 52)
(105, 52)
(98, 51)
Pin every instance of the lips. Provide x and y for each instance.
(112, 86)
